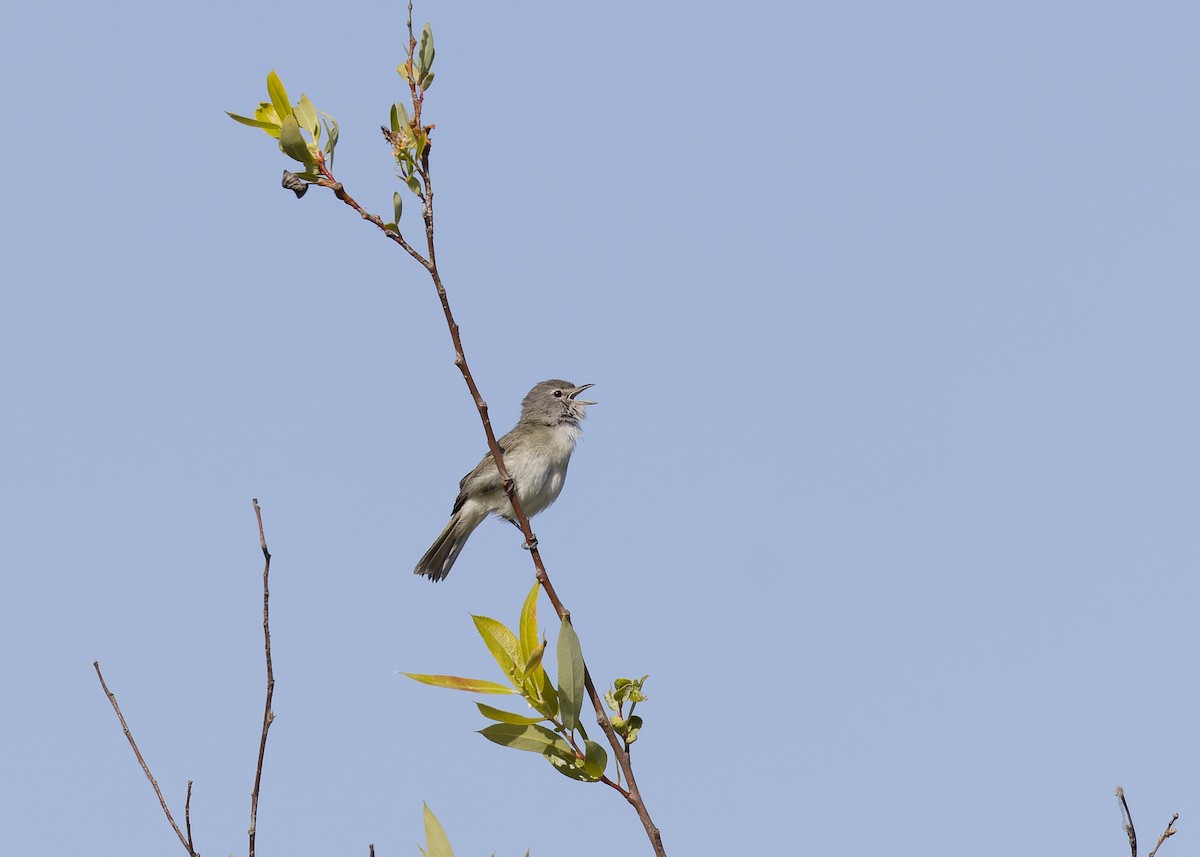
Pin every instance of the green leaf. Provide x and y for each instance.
(502, 716)
(415, 186)
(529, 627)
(401, 116)
(427, 82)
(403, 71)
(265, 112)
(570, 675)
(534, 738)
(331, 132)
(534, 663)
(453, 682)
(394, 119)
(625, 690)
(425, 52)
(632, 727)
(292, 142)
(435, 836)
(502, 643)
(595, 760)
(255, 123)
(306, 114)
(279, 96)
(548, 703)
(397, 205)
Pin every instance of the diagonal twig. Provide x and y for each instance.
(146, 768)
(429, 262)
(1166, 834)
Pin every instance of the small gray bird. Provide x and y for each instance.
(536, 454)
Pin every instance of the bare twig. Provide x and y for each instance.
(187, 818)
(1166, 834)
(1127, 818)
(268, 714)
(145, 768)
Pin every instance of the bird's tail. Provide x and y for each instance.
(440, 557)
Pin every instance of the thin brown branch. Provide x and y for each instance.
(429, 263)
(1127, 818)
(1166, 834)
(460, 360)
(339, 191)
(268, 714)
(187, 818)
(141, 761)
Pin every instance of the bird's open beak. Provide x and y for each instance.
(575, 392)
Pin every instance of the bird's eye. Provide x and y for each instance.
(558, 394)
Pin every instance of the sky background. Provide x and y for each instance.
(892, 488)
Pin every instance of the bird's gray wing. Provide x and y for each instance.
(485, 477)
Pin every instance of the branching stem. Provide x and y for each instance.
(186, 842)
(429, 262)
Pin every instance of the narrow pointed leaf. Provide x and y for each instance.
(292, 141)
(502, 643)
(331, 133)
(426, 48)
(427, 82)
(279, 96)
(528, 628)
(397, 205)
(502, 716)
(570, 675)
(435, 836)
(453, 682)
(534, 662)
(254, 123)
(534, 738)
(394, 119)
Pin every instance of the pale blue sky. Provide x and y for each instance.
(891, 311)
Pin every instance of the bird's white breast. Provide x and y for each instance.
(540, 468)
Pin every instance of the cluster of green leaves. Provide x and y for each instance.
(556, 732)
(626, 690)
(410, 141)
(290, 123)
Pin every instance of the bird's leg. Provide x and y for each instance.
(527, 545)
